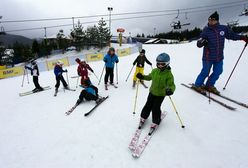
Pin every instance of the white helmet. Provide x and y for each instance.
(59, 62)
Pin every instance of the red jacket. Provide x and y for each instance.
(83, 70)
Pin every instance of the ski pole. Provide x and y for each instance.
(27, 76)
(24, 71)
(67, 79)
(235, 66)
(129, 73)
(136, 97)
(101, 75)
(77, 81)
(177, 113)
(116, 73)
(96, 76)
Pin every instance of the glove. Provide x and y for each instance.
(133, 63)
(140, 76)
(116, 62)
(26, 67)
(92, 71)
(244, 38)
(168, 92)
(105, 61)
(202, 42)
(65, 70)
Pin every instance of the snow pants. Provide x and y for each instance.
(58, 79)
(109, 73)
(84, 95)
(214, 76)
(36, 82)
(138, 70)
(153, 104)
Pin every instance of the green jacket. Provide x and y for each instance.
(161, 80)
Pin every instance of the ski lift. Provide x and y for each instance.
(176, 24)
(233, 23)
(244, 12)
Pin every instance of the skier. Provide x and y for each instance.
(140, 63)
(58, 71)
(110, 59)
(162, 85)
(90, 92)
(213, 39)
(35, 73)
(82, 70)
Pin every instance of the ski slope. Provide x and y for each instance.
(35, 133)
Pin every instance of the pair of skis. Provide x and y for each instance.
(32, 92)
(56, 91)
(218, 101)
(90, 111)
(136, 149)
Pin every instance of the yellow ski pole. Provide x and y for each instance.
(136, 97)
(176, 112)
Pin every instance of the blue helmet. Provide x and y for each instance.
(163, 58)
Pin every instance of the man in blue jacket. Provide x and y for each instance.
(110, 59)
(213, 40)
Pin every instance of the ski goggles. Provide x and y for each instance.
(161, 64)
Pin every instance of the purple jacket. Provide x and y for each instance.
(215, 35)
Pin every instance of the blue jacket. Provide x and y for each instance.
(58, 70)
(215, 35)
(90, 90)
(110, 60)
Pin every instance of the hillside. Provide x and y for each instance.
(36, 133)
(10, 39)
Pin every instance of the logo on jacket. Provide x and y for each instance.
(222, 33)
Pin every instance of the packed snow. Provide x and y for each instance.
(35, 133)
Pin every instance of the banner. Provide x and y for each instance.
(123, 52)
(51, 64)
(2, 67)
(10, 72)
(94, 57)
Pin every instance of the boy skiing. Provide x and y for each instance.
(140, 64)
(213, 40)
(162, 85)
(58, 71)
(35, 73)
(82, 70)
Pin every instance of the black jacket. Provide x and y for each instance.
(140, 61)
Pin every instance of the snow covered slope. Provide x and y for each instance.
(35, 133)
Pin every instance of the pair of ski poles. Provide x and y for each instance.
(104, 67)
(25, 73)
(172, 102)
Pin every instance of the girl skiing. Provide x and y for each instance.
(110, 59)
(162, 85)
(82, 70)
(140, 64)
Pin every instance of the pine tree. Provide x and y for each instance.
(104, 35)
(35, 47)
(78, 35)
(61, 39)
(92, 36)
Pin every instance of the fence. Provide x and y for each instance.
(69, 60)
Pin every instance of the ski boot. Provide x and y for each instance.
(153, 128)
(141, 123)
(213, 90)
(199, 89)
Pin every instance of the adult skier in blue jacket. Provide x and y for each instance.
(110, 60)
(213, 40)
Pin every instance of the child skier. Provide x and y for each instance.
(110, 59)
(140, 64)
(35, 73)
(162, 85)
(90, 92)
(82, 70)
(58, 71)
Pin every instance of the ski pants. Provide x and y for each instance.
(109, 73)
(213, 77)
(153, 104)
(87, 96)
(138, 70)
(36, 82)
(58, 79)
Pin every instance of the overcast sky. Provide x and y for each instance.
(37, 9)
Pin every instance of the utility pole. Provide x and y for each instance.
(45, 39)
(154, 33)
(110, 9)
(73, 23)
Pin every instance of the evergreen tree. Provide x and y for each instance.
(35, 47)
(91, 36)
(78, 36)
(62, 42)
(104, 35)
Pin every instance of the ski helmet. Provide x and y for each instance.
(112, 49)
(60, 63)
(163, 60)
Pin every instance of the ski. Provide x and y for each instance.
(133, 144)
(89, 112)
(75, 76)
(70, 89)
(230, 99)
(115, 86)
(211, 98)
(140, 148)
(32, 92)
(71, 110)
